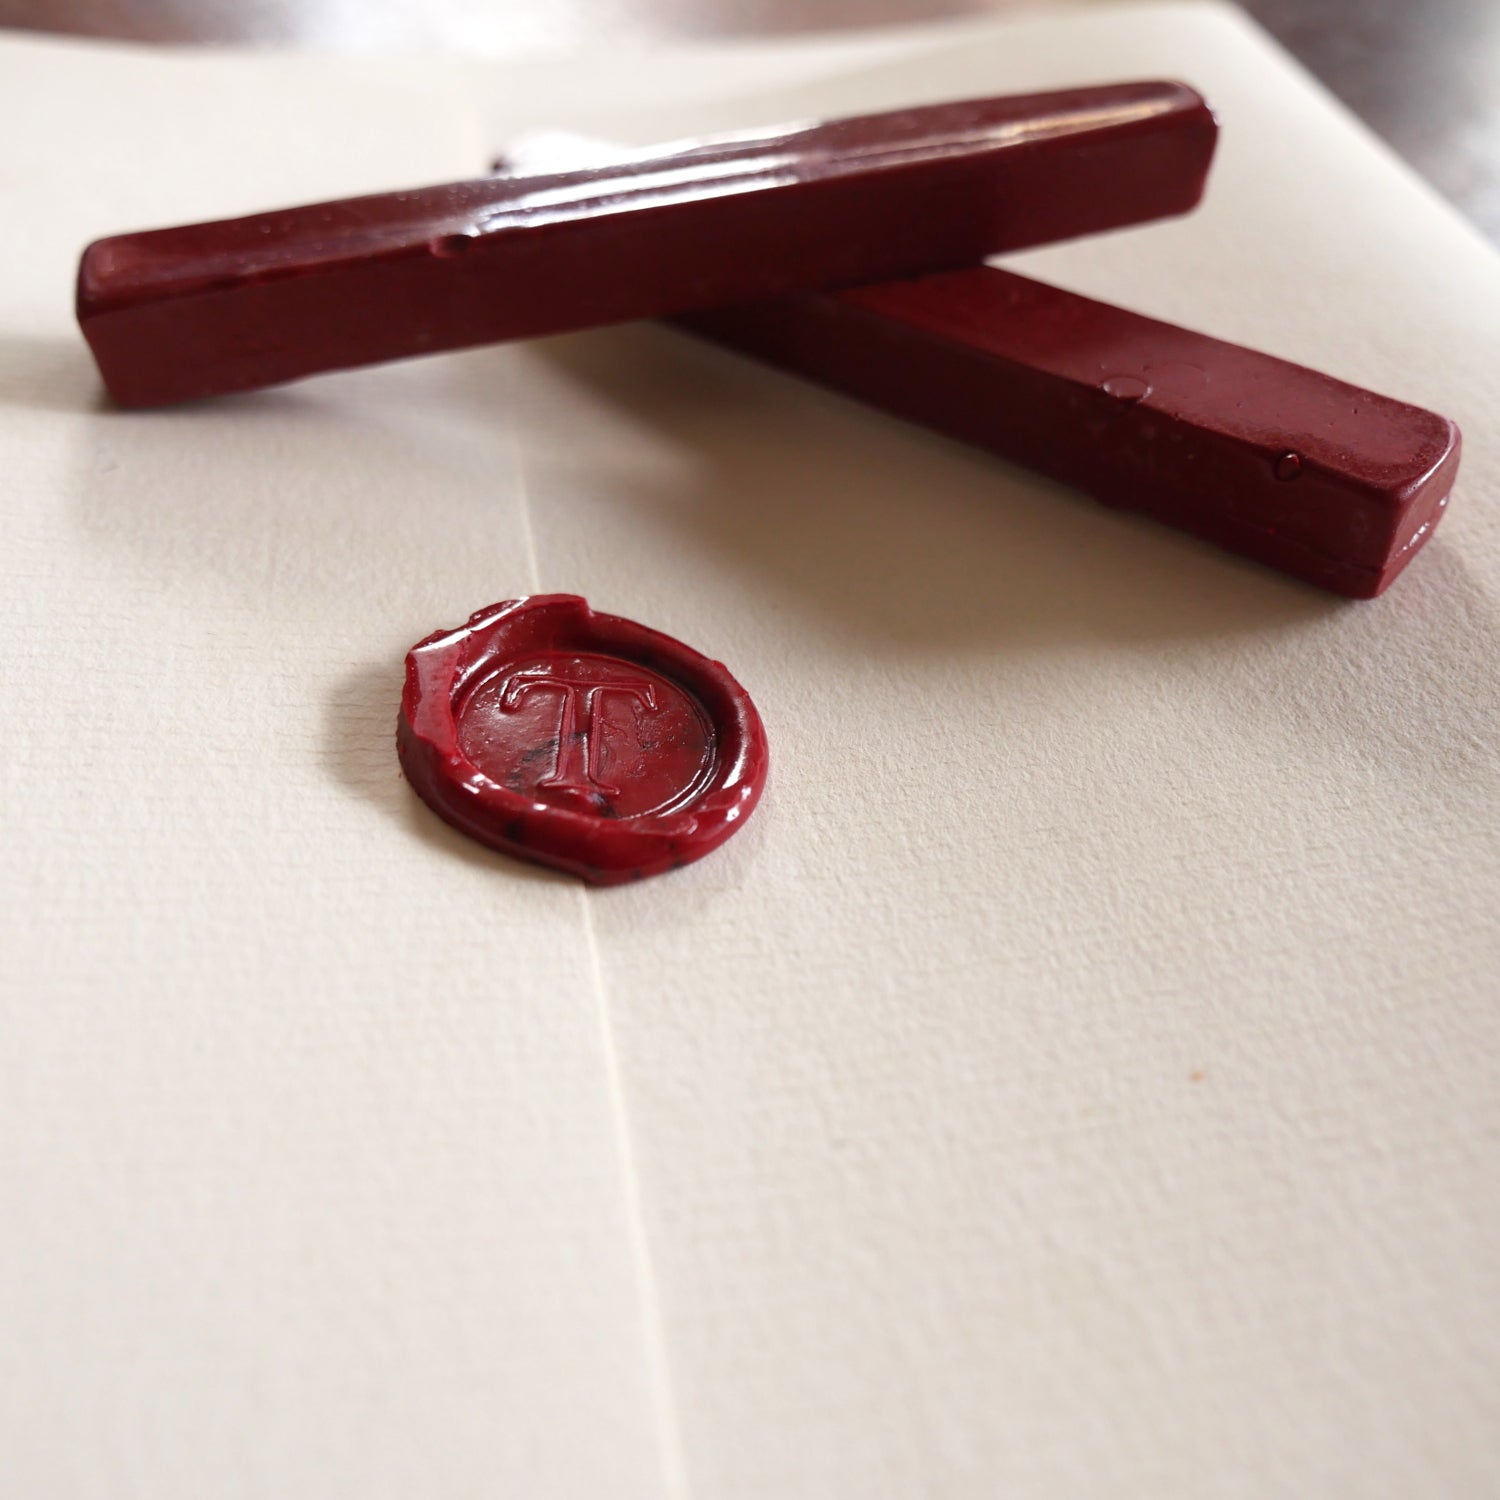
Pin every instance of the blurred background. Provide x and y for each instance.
(1424, 74)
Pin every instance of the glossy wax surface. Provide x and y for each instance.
(1331, 483)
(576, 729)
(173, 314)
(579, 740)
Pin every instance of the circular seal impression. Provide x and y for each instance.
(579, 740)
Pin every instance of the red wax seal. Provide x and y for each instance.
(579, 740)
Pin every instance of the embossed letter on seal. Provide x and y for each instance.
(579, 740)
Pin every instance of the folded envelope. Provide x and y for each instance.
(1078, 1079)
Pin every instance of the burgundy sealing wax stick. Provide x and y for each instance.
(174, 314)
(1330, 483)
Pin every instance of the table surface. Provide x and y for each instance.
(1426, 77)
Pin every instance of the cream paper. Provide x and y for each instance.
(1077, 1079)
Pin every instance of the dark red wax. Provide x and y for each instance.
(1333, 484)
(173, 314)
(579, 740)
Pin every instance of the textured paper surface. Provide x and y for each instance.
(1078, 1078)
(311, 1165)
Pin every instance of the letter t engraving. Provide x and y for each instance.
(580, 726)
